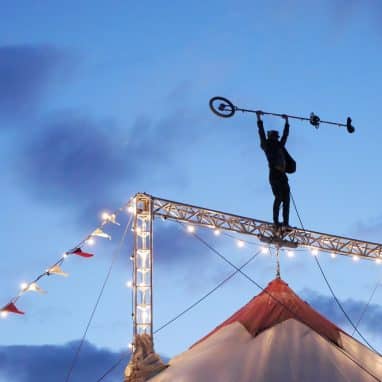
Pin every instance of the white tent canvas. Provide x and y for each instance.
(304, 347)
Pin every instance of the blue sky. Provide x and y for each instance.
(103, 99)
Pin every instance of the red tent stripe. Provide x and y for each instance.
(263, 312)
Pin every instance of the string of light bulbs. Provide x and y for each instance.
(110, 218)
(241, 243)
(56, 268)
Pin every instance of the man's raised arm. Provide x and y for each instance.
(260, 125)
(286, 130)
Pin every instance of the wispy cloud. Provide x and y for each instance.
(26, 72)
(71, 159)
(370, 229)
(354, 308)
(77, 160)
(47, 363)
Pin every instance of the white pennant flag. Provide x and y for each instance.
(56, 270)
(33, 287)
(112, 218)
(98, 232)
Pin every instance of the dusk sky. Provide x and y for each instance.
(100, 100)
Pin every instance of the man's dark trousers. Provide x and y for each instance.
(281, 191)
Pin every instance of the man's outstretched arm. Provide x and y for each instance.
(260, 125)
(286, 130)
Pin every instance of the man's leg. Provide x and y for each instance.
(276, 210)
(277, 202)
(286, 202)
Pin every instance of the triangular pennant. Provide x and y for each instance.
(100, 233)
(11, 308)
(35, 288)
(56, 270)
(109, 218)
(112, 218)
(79, 252)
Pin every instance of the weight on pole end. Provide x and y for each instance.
(350, 128)
(222, 107)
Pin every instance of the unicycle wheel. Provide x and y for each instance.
(222, 107)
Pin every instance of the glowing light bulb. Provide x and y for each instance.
(105, 216)
(130, 209)
(378, 261)
(290, 253)
(23, 286)
(355, 258)
(129, 284)
(333, 255)
(3, 314)
(190, 228)
(216, 232)
(240, 243)
(90, 241)
(314, 251)
(131, 346)
(64, 255)
(264, 250)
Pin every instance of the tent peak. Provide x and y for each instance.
(275, 304)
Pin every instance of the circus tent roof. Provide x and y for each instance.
(276, 336)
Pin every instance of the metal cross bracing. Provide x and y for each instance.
(146, 207)
(265, 231)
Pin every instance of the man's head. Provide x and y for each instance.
(273, 135)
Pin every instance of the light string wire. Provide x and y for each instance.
(115, 256)
(330, 287)
(110, 219)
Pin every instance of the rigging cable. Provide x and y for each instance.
(112, 368)
(331, 289)
(278, 301)
(185, 311)
(114, 258)
(207, 294)
(263, 290)
(366, 306)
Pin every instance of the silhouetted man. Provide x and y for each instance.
(278, 161)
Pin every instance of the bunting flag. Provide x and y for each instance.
(11, 308)
(56, 270)
(98, 232)
(79, 252)
(112, 219)
(33, 287)
(109, 218)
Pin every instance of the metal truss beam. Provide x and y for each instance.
(265, 231)
(146, 207)
(143, 260)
